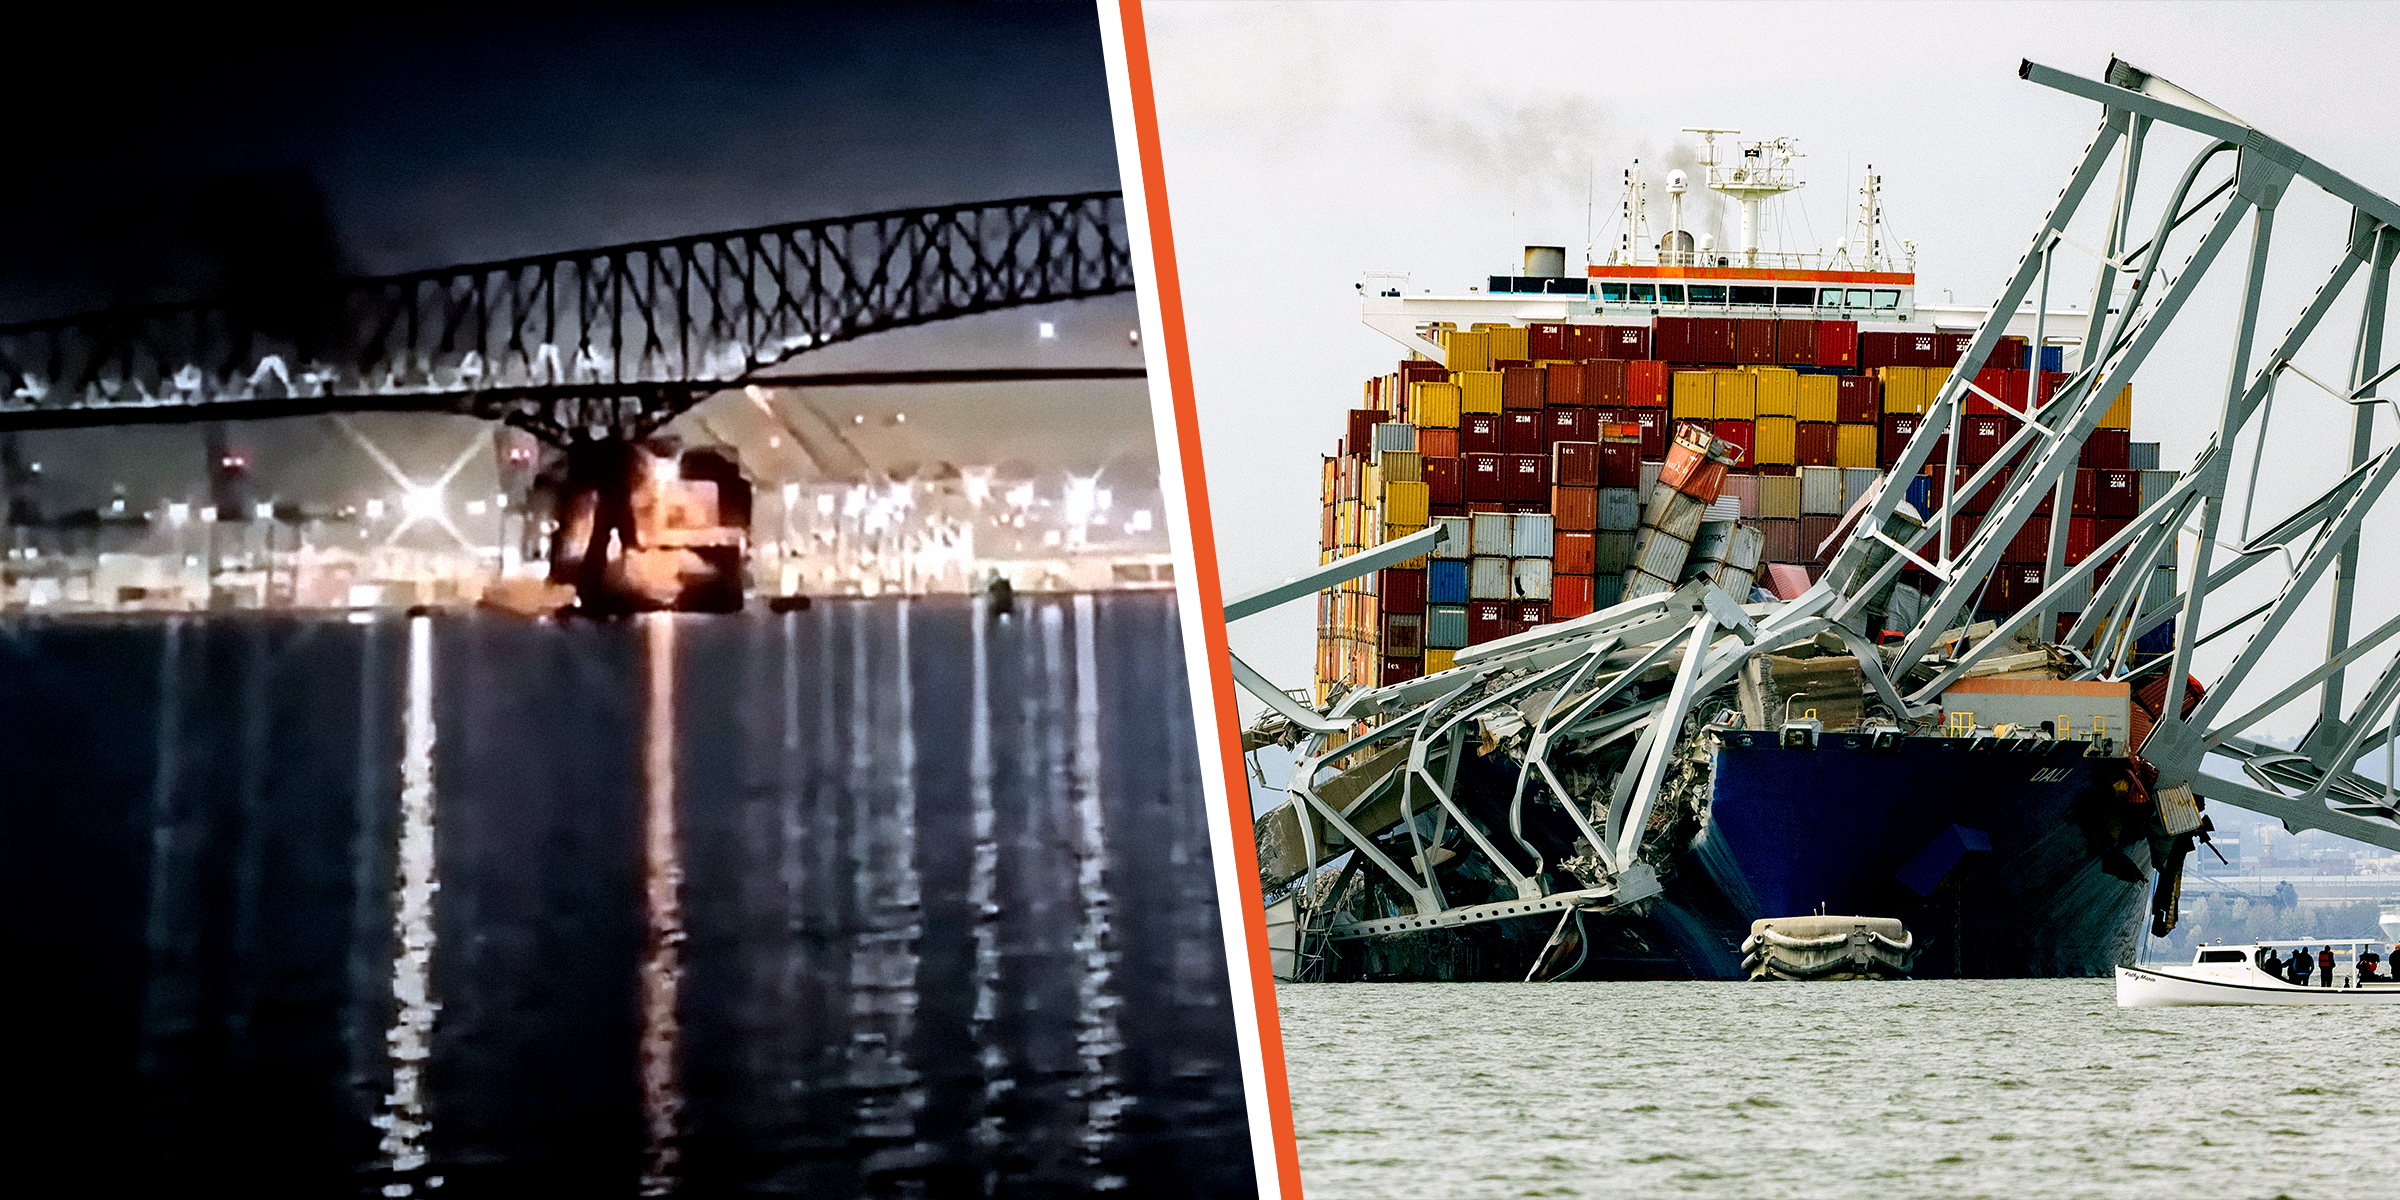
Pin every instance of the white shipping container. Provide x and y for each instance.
(1456, 538)
(1392, 435)
(1747, 548)
(1658, 553)
(1724, 508)
(1709, 544)
(1649, 482)
(1530, 535)
(2155, 485)
(1491, 535)
(1735, 581)
(1820, 491)
(1488, 579)
(2143, 456)
(1674, 514)
(1612, 553)
(1639, 584)
(1531, 578)
(1855, 482)
(1620, 511)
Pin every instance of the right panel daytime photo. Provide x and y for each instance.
(1805, 587)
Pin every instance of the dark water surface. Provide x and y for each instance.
(1931, 1088)
(880, 898)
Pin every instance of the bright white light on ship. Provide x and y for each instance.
(1050, 538)
(791, 495)
(422, 503)
(178, 513)
(374, 510)
(1101, 500)
(263, 510)
(978, 481)
(474, 508)
(666, 469)
(1141, 520)
(1049, 330)
(1020, 496)
(1081, 498)
(825, 504)
(206, 514)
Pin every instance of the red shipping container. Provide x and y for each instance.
(1782, 540)
(1573, 552)
(1401, 670)
(1980, 438)
(1604, 382)
(1570, 596)
(1575, 464)
(2016, 585)
(1485, 506)
(2116, 494)
(2108, 450)
(1525, 614)
(1779, 470)
(1858, 400)
(1740, 433)
(1437, 443)
(2087, 493)
(1898, 428)
(1983, 498)
(1646, 384)
(1483, 482)
(1508, 364)
(1924, 350)
(1712, 340)
(1574, 508)
(1546, 339)
(1620, 462)
(1962, 531)
(1584, 341)
(1796, 343)
(1487, 621)
(1837, 343)
(2104, 528)
(1952, 347)
(2031, 543)
(1442, 481)
(1564, 387)
(1609, 416)
(1401, 590)
(1570, 425)
(1440, 509)
(1479, 433)
(1876, 349)
(1525, 480)
(1361, 435)
(1674, 339)
(1813, 533)
(1813, 443)
(1521, 387)
(1412, 369)
(1995, 382)
(1653, 423)
(1754, 343)
(1522, 432)
(2081, 538)
(1626, 341)
(2008, 353)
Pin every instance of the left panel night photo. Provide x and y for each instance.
(588, 609)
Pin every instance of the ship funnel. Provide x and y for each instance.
(1546, 262)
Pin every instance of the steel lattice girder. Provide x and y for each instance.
(621, 337)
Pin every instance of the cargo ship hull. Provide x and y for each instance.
(2006, 860)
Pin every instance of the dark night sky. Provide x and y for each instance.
(188, 156)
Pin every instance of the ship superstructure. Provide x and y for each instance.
(1713, 585)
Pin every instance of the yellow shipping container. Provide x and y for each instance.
(1511, 341)
(1469, 351)
(1936, 378)
(1855, 445)
(1479, 391)
(1404, 503)
(1778, 441)
(1433, 405)
(1401, 466)
(1439, 660)
(1819, 398)
(1778, 391)
(1694, 397)
(1345, 522)
(1736, 396)
(1393, 531)
(1332, 479)
(1903, 389)
(2120, 411)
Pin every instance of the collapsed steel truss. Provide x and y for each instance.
(621, 338)
(1569, 685)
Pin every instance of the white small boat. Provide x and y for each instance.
(2232, 975)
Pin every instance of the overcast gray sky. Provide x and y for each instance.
(1305, 144)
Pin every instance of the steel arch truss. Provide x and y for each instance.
(2316, 548)
(623, 337)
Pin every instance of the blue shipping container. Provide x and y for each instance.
(2052, 358)
(1446, 582)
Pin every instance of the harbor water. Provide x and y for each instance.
(1939, 1089)
(877, 898)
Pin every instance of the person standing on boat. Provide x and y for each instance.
(2324, 967)
(2366, 966)
(2296, 970)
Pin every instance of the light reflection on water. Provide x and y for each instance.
(879, 899)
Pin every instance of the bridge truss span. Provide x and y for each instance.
(621, 338)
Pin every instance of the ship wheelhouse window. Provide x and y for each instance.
(1670, 293)
(1754, 295)
(1829, 298)
(2224, 956)
(1640, 293)
(1706, 293)
(1795, 297)
(1860, 297)
(1887, 299)
(1612, 293)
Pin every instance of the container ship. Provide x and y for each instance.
(1635, 688)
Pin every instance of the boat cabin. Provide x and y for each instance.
(2243, 963)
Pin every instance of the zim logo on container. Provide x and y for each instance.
(2052, 775)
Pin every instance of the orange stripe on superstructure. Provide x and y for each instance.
(1756, 273)
(2040, 687)
(1205, 583)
